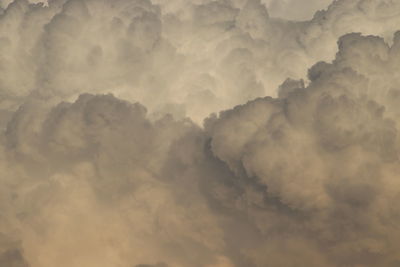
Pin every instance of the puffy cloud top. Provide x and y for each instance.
(184, 58)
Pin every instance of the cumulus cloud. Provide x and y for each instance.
(105, 161)
(326, 157)
(91, 187)
(187, 58)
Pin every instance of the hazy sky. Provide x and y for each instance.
(227, 133)
(295, 9)
(288, 9)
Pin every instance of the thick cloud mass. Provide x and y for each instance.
(105, 159)
(187, 58)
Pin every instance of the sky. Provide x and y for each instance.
(286, 9)
(295, 9)
(202, 133)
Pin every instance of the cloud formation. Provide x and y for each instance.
(325, 157)
(104, 160)
(187, 58)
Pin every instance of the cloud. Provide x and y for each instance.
(307, 177)
(104, 161)
(325, 157)
(184, 58)
(91, 177)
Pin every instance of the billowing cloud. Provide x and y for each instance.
(187, 58)
(325, 157)
(104, 160)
